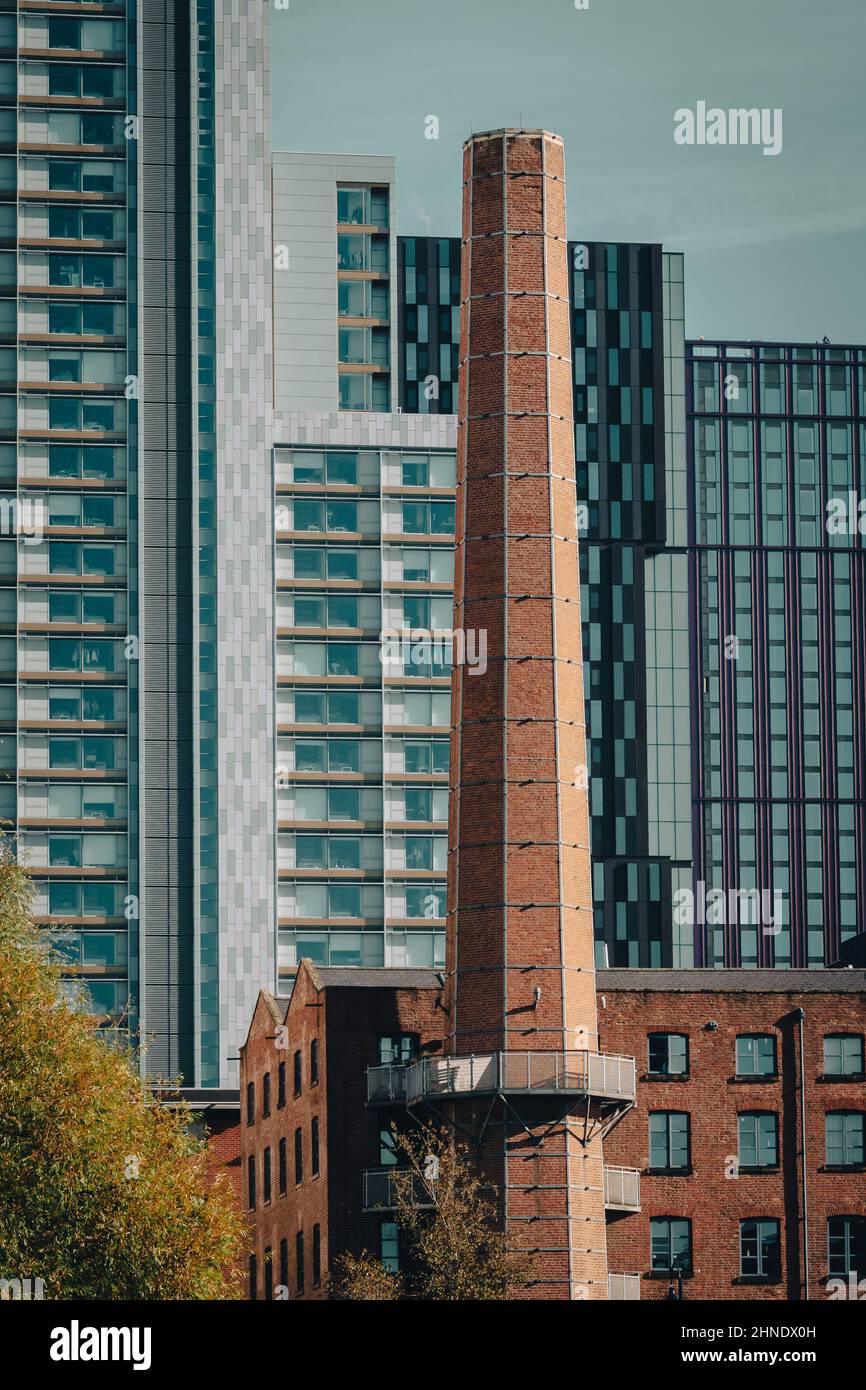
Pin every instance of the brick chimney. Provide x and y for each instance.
(520, 961)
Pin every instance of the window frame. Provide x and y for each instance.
(670, 1268)
(407, 1050)
(299, 1155)
(300, 1272)
(392, 1241)
(668, 1167)
(760, 1274)
(843, 1114)
(756, 1075)
(852, 1219)
(317, 1256)
(758, 1115)
(315, 1147)
(843, 1075)
(668, 1033)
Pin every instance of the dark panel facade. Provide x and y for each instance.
(166, 612)
(618, 355)
(428, 324)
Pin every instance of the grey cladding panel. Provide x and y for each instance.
(152, 189)
(155, 140)
(158, 1057)
(152, 49)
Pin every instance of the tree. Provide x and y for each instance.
(103, 1193)
(363, 1278)
(449, 1220)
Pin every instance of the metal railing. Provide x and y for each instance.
(581, 1073)
(622, 1188)
(623, 1287)
(387, 1083)
(381, 1188)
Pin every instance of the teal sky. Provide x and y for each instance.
(774, 246)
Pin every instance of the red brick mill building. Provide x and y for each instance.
(644, 1131)
(703, 1178)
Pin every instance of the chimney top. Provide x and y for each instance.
(512, 130)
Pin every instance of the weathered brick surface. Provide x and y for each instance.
(224, 1146)
(346, 1023)
(715, 1203)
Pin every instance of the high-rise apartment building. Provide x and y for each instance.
(136, 588)
(365, 547)
(365, 539)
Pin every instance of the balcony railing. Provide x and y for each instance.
(386, 1085)
(622, 1189)
(381, 1187)
(576, 1073)
(623, 1287)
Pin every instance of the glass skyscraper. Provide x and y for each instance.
(723, 611)
(627, 344)
(135, 686)
(779, 642)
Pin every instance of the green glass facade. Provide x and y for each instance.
(364, 560)
(69, 415)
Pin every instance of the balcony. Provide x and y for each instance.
(623, 1287)
(608, 1078)
(621, 1189)
(386, 1085)
(380, 1189)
